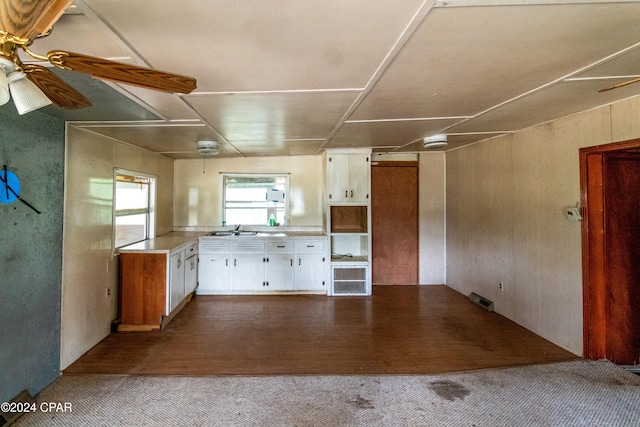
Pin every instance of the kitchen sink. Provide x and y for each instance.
(234, 233)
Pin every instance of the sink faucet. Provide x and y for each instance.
(237, 228)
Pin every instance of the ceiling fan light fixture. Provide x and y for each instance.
(6, 67)
(208, 148)
(435, 141)
(26, 95)
(4, 87)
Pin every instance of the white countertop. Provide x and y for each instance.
(163, 244)
(274, 235)
(175, 240)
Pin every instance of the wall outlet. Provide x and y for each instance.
(501, 286)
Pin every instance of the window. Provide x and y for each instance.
(134, 207)
(252, 199)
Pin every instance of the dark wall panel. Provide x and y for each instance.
(31, 252)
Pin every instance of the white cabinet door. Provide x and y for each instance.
(190, 275)
(338, 178)
(310, 272)
(247, 272)
(176, 283)
(213, 273)
(358, 177)
(348, 178)
(279, 272)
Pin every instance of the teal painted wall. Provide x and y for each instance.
(31, 252)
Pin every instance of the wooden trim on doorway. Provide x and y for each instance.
(593, 245)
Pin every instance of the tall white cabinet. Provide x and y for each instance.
(348, 219)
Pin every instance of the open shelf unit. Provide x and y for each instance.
(348, 220)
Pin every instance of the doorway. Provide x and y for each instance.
(610, 186)
(394, 223)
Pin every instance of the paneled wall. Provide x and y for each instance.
(32, 146)
(432, 218)
(506, 223)
(197, 188)
(89, 266)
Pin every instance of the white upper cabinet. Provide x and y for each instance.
(348, 177)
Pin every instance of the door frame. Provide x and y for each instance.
(594, 286)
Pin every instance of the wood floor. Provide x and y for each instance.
(398, 330)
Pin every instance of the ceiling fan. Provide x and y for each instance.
(22, 22)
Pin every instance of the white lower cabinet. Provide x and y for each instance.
(214, 267)
(214, 272)
(176, 284)
(190, 275)
(311, 266)
(247, 272)
(278, 267)
(262, 266)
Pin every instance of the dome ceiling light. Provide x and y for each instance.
(435, 141)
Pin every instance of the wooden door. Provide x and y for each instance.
(610, 187)
(394, 223)
(622, 249)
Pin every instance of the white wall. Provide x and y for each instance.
(505, 218)
(432, 218)
(197, 186)
(88, 265)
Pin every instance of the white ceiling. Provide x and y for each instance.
(287, 77)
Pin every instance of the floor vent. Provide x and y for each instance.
(481, 301)
(8, 418)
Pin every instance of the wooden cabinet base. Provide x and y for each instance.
(144, 284)
(163, 323)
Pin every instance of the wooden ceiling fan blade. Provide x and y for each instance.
(26, 19)
(123, 73)
(628, 82)
(56, 89)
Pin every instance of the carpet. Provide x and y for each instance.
(574, 393)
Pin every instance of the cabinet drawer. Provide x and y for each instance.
(310, 246)
(191, 250)
(214, 246)
(279, 247)
(247, 246)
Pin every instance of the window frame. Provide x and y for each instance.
(223, 192)
(150, 211)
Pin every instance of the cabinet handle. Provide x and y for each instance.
(226, 263)
(179, 262)
(291, 262)
(267, 261)
(234, 262)
(352, 194)
(299, 261)
(346, 193)
(281, 246)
